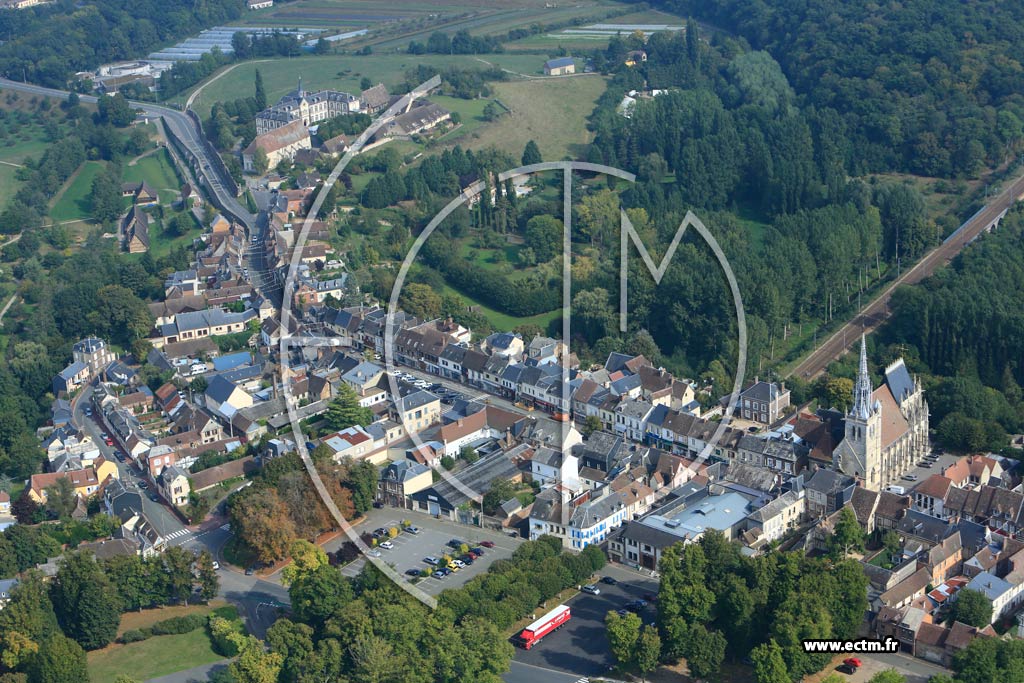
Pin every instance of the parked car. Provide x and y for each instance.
(610, 580)
(143, 485)
(459, 564)
(431, 560)
(387, 545)
(454, 543)
(440, 574)
(374, 552)
(249, 571)
(412, 572)
(853, 661)
(592, 589)
(452, 567)
(636, 605)
(477, 552)
(846, 669)
(466, 559)
(377, 504)
(909, 477)
(487, 544)
(380, 533)
(412, 529)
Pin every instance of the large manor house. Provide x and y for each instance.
(886, 430)
(312, 107)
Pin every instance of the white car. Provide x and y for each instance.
(374, 553)
(412, 530)
(459, 563)
(592, 589)
(387, 545)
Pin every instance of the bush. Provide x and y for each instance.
(221, 631)
(177, 625)
(135, 635)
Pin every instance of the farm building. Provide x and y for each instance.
(559, 67)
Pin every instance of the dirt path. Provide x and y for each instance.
(7, 306)
(192, 97)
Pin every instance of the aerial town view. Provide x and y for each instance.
(520, 341)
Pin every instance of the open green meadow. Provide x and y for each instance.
(342, 72)
(73, 203)
(503, 321)
(551, 112)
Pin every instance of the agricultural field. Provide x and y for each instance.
(551, 112)
(342, 72)
(579, 37)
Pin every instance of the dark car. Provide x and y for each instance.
(249, 571)
(487, 544)
(454, 543)
(609, 580)
(142, 484)
(377, 504)
(378, 533)
(412, 572)
(467, 558)
(650, 597)
(636, 605)
(476, 552)
(846, 669)
(155, 498)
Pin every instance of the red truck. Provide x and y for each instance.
(532, 634)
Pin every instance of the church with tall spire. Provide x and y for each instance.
(886, 429)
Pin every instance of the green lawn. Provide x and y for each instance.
(157, 169)
(492, 259)
(8, 184)
(342, 72)
(157, 656)
(161, 244)
(73, 202)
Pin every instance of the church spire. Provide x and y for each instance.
(299, 92)
(862, 388)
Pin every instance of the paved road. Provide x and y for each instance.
(165, 521)
(580, 648)
(184, 129)
(194, 675)
(872, 315)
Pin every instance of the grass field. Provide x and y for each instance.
(157, 169)
(503, 321)
(342, 72)
(161, 244)
(551, 112)
(73, 202)
(159, 655)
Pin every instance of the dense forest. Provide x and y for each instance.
(48, 44)
(933, 87)
(963, 329)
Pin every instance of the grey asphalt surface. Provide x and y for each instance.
(165, 521)
(197, 674)
(580, 648)
(410, 549)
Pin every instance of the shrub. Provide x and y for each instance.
(221, 631)
(134, 636)
(393, 532)
(177, 625)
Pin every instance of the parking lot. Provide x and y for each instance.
(581, 647)
(925, 468)
(410, 549)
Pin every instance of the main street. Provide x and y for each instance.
(874, 314)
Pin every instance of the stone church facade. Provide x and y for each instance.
(886, 430)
